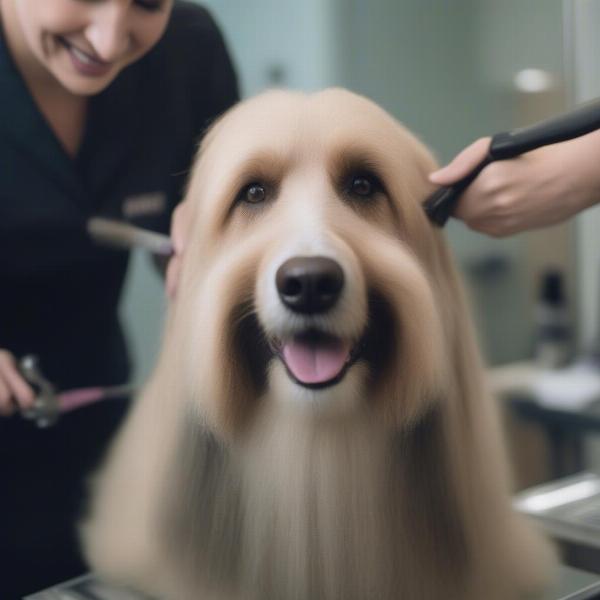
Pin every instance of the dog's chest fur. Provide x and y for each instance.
(303, 508)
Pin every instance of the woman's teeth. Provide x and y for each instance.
(84, 58)
(81, 56)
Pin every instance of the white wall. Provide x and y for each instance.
(515, 34)
(297, 39)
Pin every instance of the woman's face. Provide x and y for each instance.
(85, 44)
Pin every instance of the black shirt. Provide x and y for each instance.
(60, 290)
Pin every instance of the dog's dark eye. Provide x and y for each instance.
(363, 185)
(255, 193)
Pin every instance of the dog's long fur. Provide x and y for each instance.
(232, 481)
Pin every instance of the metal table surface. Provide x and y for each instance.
(572, 584)
(567, 509)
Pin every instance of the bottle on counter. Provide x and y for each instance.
(553, 331)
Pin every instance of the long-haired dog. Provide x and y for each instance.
(318, 425)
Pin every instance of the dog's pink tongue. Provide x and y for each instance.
(315, 363)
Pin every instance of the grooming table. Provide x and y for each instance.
(573, 584)
(86, 587)
(568, 508)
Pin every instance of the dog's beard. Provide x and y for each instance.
(276, 516)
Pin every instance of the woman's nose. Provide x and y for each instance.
(109, 30)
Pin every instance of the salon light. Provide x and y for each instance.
(533, 80)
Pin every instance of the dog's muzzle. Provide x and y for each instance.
(311, 286)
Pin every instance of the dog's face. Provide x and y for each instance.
(312, 276)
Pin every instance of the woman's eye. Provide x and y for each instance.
(150, 5)
(255, 193)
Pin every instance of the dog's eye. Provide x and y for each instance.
(363, 185)
(255, 193)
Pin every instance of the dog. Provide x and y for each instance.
(318, 424)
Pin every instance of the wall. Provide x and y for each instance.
(293, 44)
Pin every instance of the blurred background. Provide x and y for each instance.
(452, 72)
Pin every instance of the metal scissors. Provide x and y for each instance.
(50, 404)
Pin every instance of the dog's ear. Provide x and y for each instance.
(471, 434)
(406, 340)
(437, 349)
(213, 336)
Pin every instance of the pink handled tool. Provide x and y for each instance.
(49, 404)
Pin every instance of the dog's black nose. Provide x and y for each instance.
(309, 284)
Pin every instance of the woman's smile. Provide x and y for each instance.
(84, 62)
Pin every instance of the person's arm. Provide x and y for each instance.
(14, 390)
(538, 189)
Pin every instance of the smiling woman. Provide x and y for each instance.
(82, 44)
(103, 104)
(68, 50)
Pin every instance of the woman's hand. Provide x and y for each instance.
(15, 392)
(537, 189)
(179, 225)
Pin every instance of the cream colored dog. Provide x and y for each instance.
(317, 426)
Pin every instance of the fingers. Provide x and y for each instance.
(179, 223)
(7, 406)
(172, 276)
(491, 213)
(537, 189)
(462, 164)
(495, 227)
(14, 390)
(179, 226)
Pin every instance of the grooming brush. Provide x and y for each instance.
(582, 120)
(123, 235)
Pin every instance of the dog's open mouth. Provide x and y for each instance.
(316, 359)
(311, 357)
